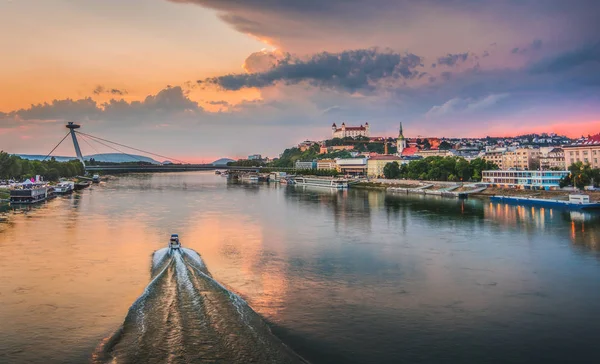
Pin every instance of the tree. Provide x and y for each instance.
(391, 170)
(581, 174)
(445, 145)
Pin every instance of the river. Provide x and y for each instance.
(338, 277)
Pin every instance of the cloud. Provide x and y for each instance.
(219, 102)
(452, 59)
(262, 61)
(587, 55)
(348, 70)
(310, 25)
(464, 106)
(98, 90)
(169, 101)
(536, 45)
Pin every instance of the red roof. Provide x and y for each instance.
(409, 151)
(591, 140)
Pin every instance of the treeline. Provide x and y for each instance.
(439, 169)
(17, 168)
(581, 175)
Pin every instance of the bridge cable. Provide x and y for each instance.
(136, 149)
(88, 143)
(53, 149)
(118, 150)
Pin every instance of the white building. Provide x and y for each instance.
(534, 180)
(349, 131)
(306, 165)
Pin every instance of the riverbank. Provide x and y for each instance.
(488, 192)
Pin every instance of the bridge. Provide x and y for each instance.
(145, 167)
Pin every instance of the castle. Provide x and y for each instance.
(349, 131)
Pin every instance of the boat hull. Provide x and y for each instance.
(545, 203)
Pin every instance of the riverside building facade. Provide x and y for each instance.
(587, 152)
(535, 180)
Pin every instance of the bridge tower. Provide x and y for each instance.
(72, 126)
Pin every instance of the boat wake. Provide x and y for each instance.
(185, 316)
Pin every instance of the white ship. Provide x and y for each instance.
(64, 188)
(337, 183)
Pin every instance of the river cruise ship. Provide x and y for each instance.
(337, 183)
(28, 194)
(575, 202)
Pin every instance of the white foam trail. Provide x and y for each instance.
(158, 257)
(194, 256)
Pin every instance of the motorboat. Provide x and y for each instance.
(217, 172)
(96, 178)
(81, 185)
(174, 242)
(64, 188)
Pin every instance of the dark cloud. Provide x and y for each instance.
(452, 59)
(515, 50)
(290, 23)
(98, 90)
(584, 56)
(536, 45)
(349, 70)
(168, 101)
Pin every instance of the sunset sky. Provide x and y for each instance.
(203, 79)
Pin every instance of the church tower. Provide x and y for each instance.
(400, 142)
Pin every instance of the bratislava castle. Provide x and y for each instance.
(349, 131)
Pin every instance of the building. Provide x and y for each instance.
(326, 164)
(305, 145)
(553, 159)
(400, 141)
(521, 159)
(535, 180)
(352, 166)
(585, 151)
(306, 165)
(255, 157)
(510, 158)
(376, 164)
(435, 153)
(342, 147)
(349, 131)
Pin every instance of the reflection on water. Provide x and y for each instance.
(342, 276)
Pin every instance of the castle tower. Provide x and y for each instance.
(333, 130)
(367, 129)
(401, 141)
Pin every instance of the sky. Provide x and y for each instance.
(197, 80)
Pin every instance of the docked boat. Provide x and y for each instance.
(81, 185)
(217, 172)
(575, 202)
(337, 183)
(30, 193)
(252, 178)
(174, 242)
(96, 178)
(64, 188)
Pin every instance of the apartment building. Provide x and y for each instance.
(586, 151)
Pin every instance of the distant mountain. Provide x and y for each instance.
(222, 162)
(120, 158)
(105, 157)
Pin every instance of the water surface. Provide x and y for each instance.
(353, 277)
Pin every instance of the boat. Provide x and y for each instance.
(64, 188)
(217, 172)
(575, 202)
(30, 193)
(81, 185)
(96, 178)
(337, 183)
(174, 242)
(249, 178)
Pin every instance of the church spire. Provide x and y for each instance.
(400, 134)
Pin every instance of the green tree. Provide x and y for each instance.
(391, 170)
(445, 145)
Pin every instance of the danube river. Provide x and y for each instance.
(339, 277)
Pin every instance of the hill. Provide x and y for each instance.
(222, 162)
(104, 157)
